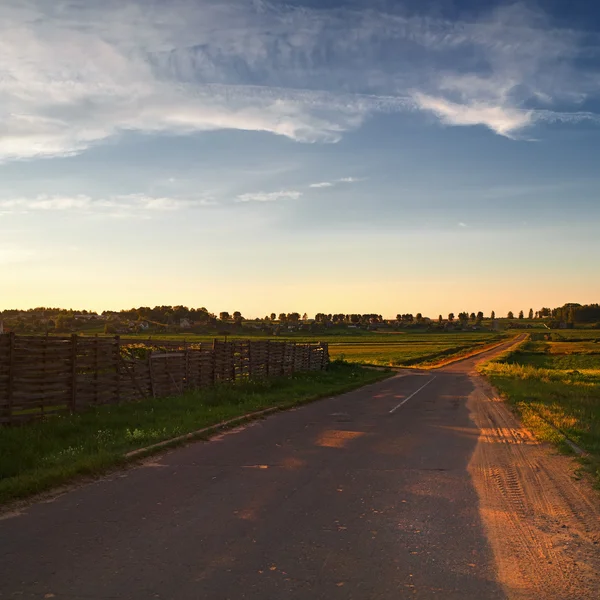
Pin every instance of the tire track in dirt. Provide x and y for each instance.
(543, 526)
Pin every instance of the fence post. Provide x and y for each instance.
(187, 365)
(232, 360)
(96, 368)
(118, 367)
(150, 372)
(268, 359)
(11, 375)
(325, 357)
(73, 399)
(214, 361)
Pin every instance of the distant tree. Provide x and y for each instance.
(531, 313)
(480, 316)
(304, 317)
(463, 317)
(419, 317)
(293, 317)
(521, 315)
(224, 316)
(587, 313)
(472, 316)
(544, 312)
(63, 322)
(450, 317)
(440, 319)
(510, 314)
(493, 315)
(273, 316)
(571, 317)
(282, 317)
(237, 315)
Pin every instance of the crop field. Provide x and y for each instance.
(410, 349)
(390, 348)
(555, 387)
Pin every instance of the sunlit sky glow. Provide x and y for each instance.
(356, 156)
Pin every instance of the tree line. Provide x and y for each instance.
(166, 316)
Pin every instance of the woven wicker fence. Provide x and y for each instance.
(44, 375)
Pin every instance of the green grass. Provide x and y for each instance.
(412, 349)
(38, 456)
(561, 356)
(548, 386)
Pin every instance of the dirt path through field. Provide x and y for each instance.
(542, 524)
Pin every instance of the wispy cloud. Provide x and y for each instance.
(117, 205)
(269, 196)
(351, 179)
(523, 67)
(74, 75)
(328, 184)
(503, 120)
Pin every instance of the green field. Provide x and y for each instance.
(411, 349)
(556, 383)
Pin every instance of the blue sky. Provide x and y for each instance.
(356, 156)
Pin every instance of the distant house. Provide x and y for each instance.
(144, 326)
(184, 324)
(86, 317)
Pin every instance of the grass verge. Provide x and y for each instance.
(556, 404)
(39, 456)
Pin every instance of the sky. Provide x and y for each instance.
(312, 156)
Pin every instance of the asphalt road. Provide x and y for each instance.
(422, 486)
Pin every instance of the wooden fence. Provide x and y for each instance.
(44, 375)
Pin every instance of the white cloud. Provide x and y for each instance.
(328, 184)
(502, 120)
(350, 179)
(269, 196)
(461, 224)
(116, 205)
(74, 75)
(524, 66)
